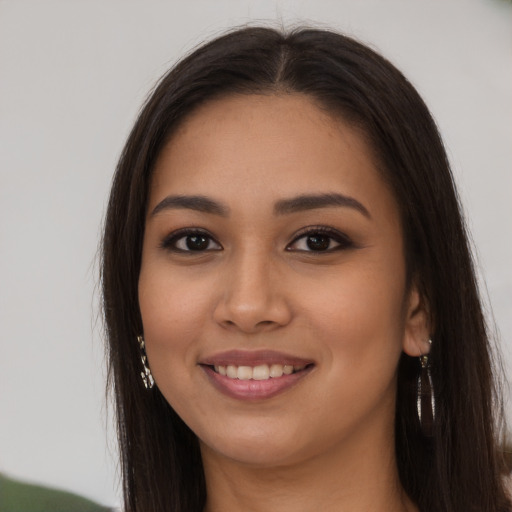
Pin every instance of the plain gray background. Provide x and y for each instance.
(73, 75)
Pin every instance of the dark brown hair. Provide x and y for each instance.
(458, 468)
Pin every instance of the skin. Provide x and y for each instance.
(326, 443)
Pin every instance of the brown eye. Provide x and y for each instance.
(188, 241)
(197, 242)
(318, 242)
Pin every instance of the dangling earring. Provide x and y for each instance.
(425, 401)
(147, 378)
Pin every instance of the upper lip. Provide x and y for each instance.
(253, 358)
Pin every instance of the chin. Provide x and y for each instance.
(256, 456)
(258, 448)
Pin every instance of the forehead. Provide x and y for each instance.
(266, 147)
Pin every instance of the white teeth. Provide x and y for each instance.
(287, 369)
(276, 370)
(244, 373)
(260, 372)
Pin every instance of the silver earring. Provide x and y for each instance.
(425, 400)
(147, 378)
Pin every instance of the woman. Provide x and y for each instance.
(285, 262)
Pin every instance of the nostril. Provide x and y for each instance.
(252, 314)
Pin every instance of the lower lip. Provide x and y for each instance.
(254, 389)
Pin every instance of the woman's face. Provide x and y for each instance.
(272, 288)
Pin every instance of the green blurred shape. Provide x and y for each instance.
(18, 496)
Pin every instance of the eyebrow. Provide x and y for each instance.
(197, 203)
(315, 201)
(282, 207)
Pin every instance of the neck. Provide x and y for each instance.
(351, 478)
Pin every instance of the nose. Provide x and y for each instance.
(253, 295)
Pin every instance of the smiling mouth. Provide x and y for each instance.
(255, 375)
(259, 372)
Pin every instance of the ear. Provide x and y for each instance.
(416, 341)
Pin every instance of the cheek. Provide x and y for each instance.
(358, 300)
(174, 312)
(170, 298)
(359, 320)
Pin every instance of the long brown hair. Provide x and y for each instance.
(458, 468)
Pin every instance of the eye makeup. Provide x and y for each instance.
(313, 239)
(320, 239)
(190, 240)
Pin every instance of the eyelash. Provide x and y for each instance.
(169, 242)
(343, 241)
